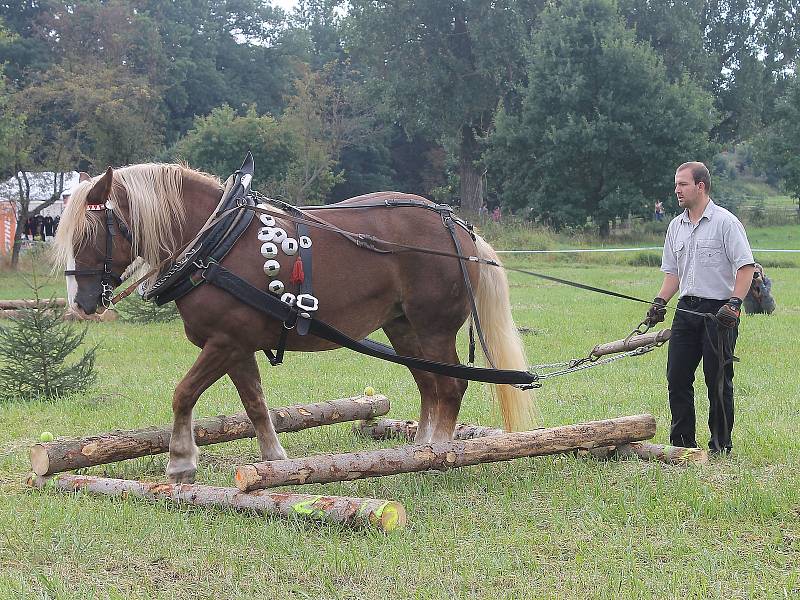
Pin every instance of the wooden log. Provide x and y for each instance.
(382, 429)
(69, 454)
(671, 455)
(444, 455)
(636, 341)
(386, 429)
(385, 515)
(14, 304)
(69, 315)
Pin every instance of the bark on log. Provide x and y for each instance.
(383, 429)
(636, 341)
(444, 455)
(70, 454)
(14, 304)
(384, 515)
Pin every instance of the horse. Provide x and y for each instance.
(420, 300)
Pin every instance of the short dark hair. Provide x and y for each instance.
(699, 173)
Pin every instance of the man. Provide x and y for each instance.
(759, 299)
(707, 260)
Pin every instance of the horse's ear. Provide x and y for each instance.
(101, 190)
(83, 177)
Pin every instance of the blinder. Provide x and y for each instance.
(107, 279)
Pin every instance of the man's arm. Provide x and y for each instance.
(744, 277)
(671, 285)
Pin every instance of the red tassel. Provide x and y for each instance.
(297, 272)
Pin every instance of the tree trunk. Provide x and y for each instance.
(353, 512)
(69, 454)
(444, 455)
(17, 247)
(383, 429)
(471, 189)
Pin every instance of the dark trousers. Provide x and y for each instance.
(694, 338)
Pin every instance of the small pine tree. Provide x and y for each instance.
(34, 350)
(136, 310)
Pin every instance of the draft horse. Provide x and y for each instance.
(420, 300)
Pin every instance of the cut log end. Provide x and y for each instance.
(390, 517)
(245, 477)
(40, 460)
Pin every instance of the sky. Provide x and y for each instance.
(286, 5)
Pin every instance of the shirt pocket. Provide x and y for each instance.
(680, 249)
(709, 251)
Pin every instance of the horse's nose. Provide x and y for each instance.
(88, 307)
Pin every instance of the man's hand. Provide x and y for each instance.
(728, 314)
(657, 312)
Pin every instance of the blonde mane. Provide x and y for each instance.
(155, 207)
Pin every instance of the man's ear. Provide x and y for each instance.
(83, 177)
(101, 190)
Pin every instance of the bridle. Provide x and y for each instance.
(107, 278)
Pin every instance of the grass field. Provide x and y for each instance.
(550, 527)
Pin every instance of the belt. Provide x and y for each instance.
(697, 299)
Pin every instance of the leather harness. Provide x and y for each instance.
(201, 263)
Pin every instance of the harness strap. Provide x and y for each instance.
(448, 221)
(273, 307)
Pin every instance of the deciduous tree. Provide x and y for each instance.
(601, 127)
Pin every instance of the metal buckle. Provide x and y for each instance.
(307, 302)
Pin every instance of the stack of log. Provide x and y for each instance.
(49, 460)
(623, 437)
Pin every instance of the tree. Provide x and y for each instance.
(778, 148)
(442, 67)
(217, 144)
(326, 115)
(601, 127)
(739, 50)
(34, 351)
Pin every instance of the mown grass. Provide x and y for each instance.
(551, 527)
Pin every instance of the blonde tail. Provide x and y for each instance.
(518, 407)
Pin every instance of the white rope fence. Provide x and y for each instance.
(577, 250)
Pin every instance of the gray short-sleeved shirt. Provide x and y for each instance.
(706, 256)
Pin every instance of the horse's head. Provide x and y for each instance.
(94, 243)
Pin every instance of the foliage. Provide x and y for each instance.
(217, 143)
(324, 117)
(441, 68)
(135, 310)
(740, 51)
(778, 148)
(34, 351)
(598, 123)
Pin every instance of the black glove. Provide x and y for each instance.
(728, 314)
(657, 311)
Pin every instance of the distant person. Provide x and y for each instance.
(707, 260)
(658, 211)
(483, 212)
(496, 214)
(759, 298)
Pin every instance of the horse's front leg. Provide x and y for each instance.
(247, 380)
(213, 362)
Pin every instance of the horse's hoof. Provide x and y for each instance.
(279, 454)
(178, 475)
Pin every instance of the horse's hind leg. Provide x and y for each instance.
(440, 396)
(247, 380)
(213, 362)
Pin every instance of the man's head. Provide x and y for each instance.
(692, 185)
